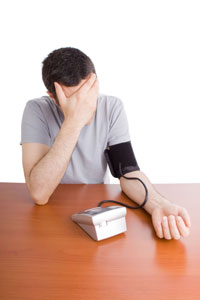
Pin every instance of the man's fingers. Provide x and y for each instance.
(184, 231)
(184, 214)
(95, 88)
(173, 227)
(95, 84)
(165, 227)
(60, 94)
(158, 229)
(88, 84)
(157, 225)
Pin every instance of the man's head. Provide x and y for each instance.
(68, 66)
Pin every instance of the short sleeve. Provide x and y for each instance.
(34, 127)
(119, 129)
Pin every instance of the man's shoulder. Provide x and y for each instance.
(109, 100)
(39, 101)
(108, 97)
(41, 106)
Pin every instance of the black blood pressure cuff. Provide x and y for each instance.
(121, 153)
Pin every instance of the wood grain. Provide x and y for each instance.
(44, 255)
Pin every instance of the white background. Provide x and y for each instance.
(145, 52)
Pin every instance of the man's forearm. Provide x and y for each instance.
(47, 173)
(136, 192)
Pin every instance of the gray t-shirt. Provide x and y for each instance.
(41, 122)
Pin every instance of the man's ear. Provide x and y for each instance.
(51, 96)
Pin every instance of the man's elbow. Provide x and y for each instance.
(39, 199)
(36, 195)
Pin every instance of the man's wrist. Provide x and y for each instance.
(154, 201)
(72, 124)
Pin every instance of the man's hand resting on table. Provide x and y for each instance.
(170, 221)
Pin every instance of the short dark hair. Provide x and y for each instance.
(67, 66)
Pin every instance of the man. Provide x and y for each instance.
(64, 136)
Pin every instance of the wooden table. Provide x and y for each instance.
(44, 255)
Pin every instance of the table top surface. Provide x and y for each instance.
(45, 255)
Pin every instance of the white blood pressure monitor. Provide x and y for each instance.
(102, 222)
